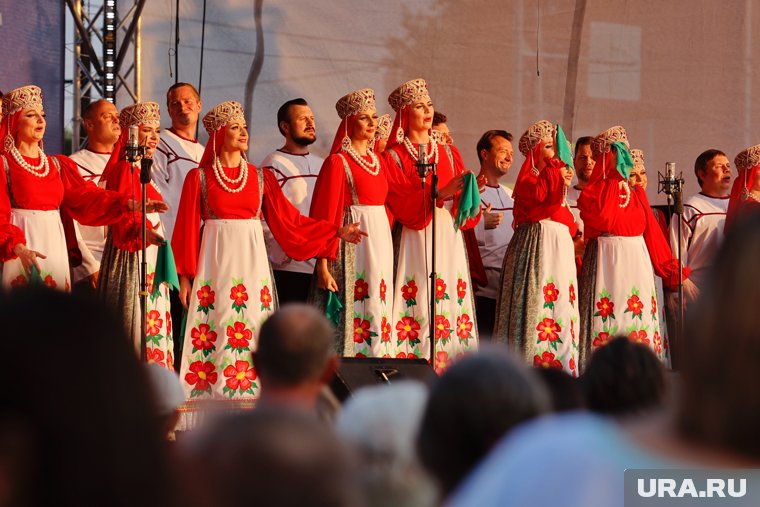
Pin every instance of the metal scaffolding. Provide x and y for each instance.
(106, 55)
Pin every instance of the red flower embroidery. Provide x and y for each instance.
(546, 360)
(461, 288)
(442, 328)
(549, 330)
(635, 306)
(572, 365)
(238, 295)
(409, 291)
(50, 282)
(359, 354)
(149, 282)
(266, 298)
(361, 290)
(654, 305)
(657, 342)
(464, 326)
(605, 307)
(168, 323)
(240, 376)
(19, 281)
(386, 356)
(601, 340)
(382, 290)
(385, 330)
(203, 337)
(550, 293)
(407, 328)
(440, 289)
(361, 330)
(154, 356)
(238, 337)
(571, 291)
(441, 361)
(404, 355)
(639, 336)
(153, 323)
(206, 297)
(201, 375)
(169, 360)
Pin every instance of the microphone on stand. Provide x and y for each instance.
(422, 161)
(132, 148)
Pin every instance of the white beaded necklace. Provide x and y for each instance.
(40, 170)
(242, 178)
(626, 195)
(372, 168)
(432, 150)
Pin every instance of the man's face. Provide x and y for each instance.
(584, 162)
(102, 125)
(716, 176)
(499, 158)
(302, 128)
(184, 107)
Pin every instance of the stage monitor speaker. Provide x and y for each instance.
(356, 372)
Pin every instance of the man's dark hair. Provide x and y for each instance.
(486, 141)
(180, 85)
(295, 345)
(581, 141)
(701, 163)
(283, 114)
(439, 117)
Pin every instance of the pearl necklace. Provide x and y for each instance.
(40, 170)
(242, 178)
(751, 194)
(372, 168)
(432, 150)
(564, 197)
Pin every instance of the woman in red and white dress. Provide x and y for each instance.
(355, 185)
(225, 277)
(625, 248)
(745, 192)
(33, 188)
(536, 309)
(119, 281)
(455, 323)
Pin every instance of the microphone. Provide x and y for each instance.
(132, 148)
(422, 160)
(670, 177)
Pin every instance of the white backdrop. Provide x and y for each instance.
(679, 75)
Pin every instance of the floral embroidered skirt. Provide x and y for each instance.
(44, 233)
(537, 310)
(619, 296)
(232, 295)
(364, 274)
(455, 324)
(119, 287)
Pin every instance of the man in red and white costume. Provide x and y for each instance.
(178, 150)
(101, 123)
(296, 170)
(704, 215)
(495, 230)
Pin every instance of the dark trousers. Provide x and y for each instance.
(485, 309)
(292, 287)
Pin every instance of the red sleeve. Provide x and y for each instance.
(540, 196)
(663, 262)
(10, 235)
(300, 237)
(406, 201)
(329, 198)
(86, 202)
(186, 239)
(599, 206)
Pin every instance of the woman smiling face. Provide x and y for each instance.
(236, 137)
(421, 115)
(365, 125)
(31, 125)
(148, 136)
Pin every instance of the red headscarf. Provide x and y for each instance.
(346, 128)
(739, 196)
(9, 126)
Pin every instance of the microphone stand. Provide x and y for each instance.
(145, 164)
(423, 167)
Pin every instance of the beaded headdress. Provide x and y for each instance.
(408, 93)
(355, 102)
(142, 113)
(748, 158)
(603, 142)
(223, 114)
(384, 124)
(21, 98)
(638, 157)
(540, 131)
